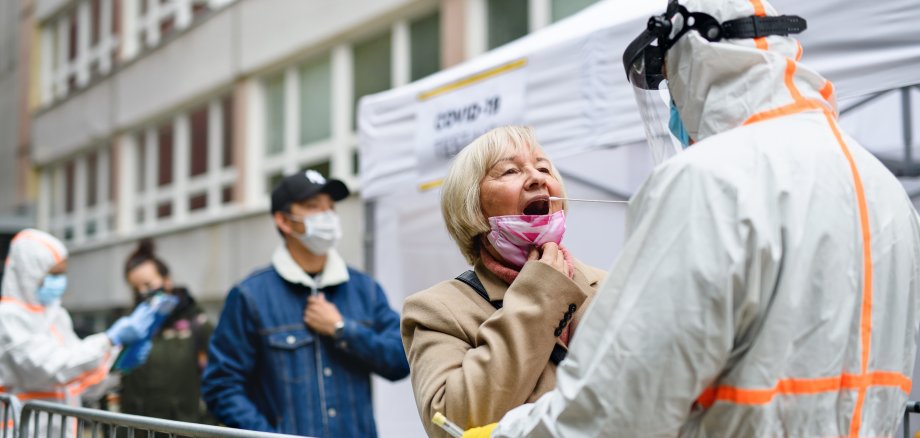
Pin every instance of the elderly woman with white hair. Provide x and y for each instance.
(489, 340)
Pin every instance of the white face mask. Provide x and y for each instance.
(321, 232)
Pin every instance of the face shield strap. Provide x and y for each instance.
(669, 27)
(756, 27)
(644, 57)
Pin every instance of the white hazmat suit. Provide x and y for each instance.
(41, 358)
(770, 280)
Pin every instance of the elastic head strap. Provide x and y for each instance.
(710, 29)
(756, 27)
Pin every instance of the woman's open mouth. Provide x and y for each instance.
(537, 206)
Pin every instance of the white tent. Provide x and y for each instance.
(567, 81)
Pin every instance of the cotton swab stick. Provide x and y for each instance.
(554, 198)
(448, 426)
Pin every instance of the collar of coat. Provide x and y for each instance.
(497, 287)
(335, 271)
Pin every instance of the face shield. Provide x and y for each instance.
(644, 61)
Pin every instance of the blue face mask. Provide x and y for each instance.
(676, 125)
(51, 289)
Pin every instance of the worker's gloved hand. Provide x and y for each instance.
(480, 432)
(137, 325)
(134, 356)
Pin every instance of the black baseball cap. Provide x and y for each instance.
(302, 185)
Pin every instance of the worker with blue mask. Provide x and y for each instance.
(770, 280)
(41, 358)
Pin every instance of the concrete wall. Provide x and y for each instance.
(274, 30)
(208, 260)
(76, 123)
(9, 102)
(47, 8)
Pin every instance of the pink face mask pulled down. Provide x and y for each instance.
(514, 235)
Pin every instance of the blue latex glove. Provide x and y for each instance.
(140, 323)
(134, 356)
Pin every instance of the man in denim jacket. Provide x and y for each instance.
(297, 341)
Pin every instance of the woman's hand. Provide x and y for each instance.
(551, 255)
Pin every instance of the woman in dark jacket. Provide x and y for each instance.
(167, 385)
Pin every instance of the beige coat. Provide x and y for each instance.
(474, 363)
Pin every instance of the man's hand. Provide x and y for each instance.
(321, 315)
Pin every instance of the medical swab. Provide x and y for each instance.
(448, 426)
(554, 198)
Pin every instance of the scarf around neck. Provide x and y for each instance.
(509, 274)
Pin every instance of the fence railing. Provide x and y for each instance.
(7, 416)
(41, 419)
(104, 423)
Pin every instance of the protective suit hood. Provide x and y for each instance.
(32, 254)
(721, 85)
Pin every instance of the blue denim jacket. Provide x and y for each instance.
(268, 371)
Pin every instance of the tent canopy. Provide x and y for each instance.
(567, 81)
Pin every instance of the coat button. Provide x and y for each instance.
(331, 412)
(327, 371)
(290, 339)
(557, 332)
(572, 307)
(568, 316)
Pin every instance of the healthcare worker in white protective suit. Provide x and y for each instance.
(41, 358)
(769, 284)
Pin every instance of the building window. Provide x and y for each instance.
(78, 45)
(198, 163)
(141, 170)
(113, 176)
(92, 178)
(355, 162)
(226, 195)
(95, 7)
(273, 180)
(198, 202)
(72, 50)
(425, 46)
(507, 21)
(81, 209)
(166, 193)
(324, 168)
(274, 87)
(164, 154)
(226, 106)
(564, 8)
(164, 210)
(315, 101)
(69, 187)
(372, 69)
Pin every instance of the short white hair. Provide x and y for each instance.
(460, 204)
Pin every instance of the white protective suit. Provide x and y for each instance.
(770, 280)
(41, 358)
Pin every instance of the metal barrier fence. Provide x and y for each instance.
(8, 416)
(97, 424)
(104, 423)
